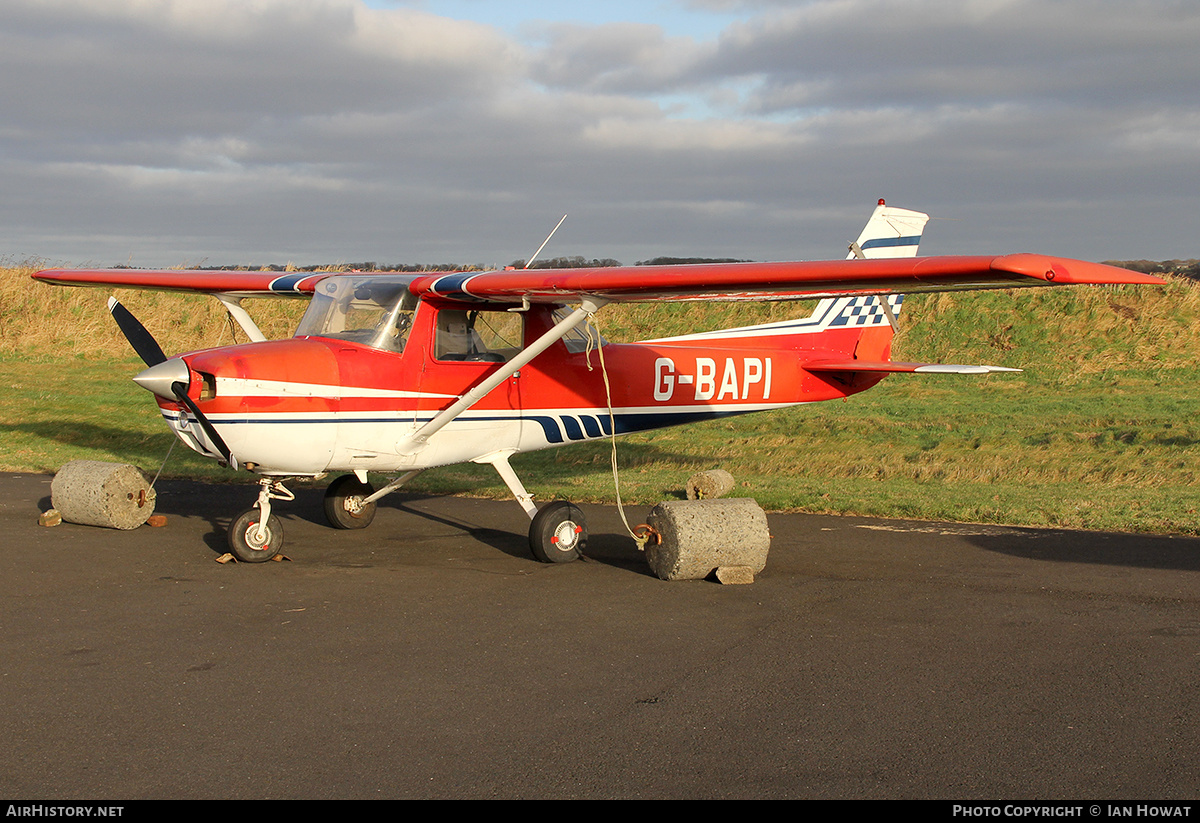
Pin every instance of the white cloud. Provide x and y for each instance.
(332, 130)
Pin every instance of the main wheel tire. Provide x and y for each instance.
(244, 541)
(558, 533)
(344, 508)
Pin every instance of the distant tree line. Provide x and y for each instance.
(686, 261)
(1181, 268)
(575, 262)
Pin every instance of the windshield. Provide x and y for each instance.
(375, 311)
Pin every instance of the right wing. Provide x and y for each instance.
(771, 281)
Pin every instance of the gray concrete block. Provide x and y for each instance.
(95, 493)
(709, 485)
(698, 537)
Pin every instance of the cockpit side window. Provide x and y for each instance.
(371, 311)
(478, 336)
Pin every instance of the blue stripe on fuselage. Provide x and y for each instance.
(557, 429)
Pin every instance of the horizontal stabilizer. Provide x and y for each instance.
(906, 368)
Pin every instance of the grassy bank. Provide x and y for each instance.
(1100, 431)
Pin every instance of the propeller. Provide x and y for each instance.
(142, 341)
(167, 378)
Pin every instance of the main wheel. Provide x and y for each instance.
(558, 533)
(244, 541)
(344, 508)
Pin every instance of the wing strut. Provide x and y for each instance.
(885, 302)
(417, 440)
(233, 305)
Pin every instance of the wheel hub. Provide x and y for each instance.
(566, 534)
(253, 541)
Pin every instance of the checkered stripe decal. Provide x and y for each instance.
(864, 311)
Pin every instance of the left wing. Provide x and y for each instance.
(771, 281)
(234, 283)
(229, 287)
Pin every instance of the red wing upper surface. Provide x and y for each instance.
(772, 281)
(711, 281)
(289, 284)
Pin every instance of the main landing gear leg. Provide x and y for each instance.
(345, 506)
(558, 531)
(350, 500)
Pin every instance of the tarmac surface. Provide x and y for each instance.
(430, 656)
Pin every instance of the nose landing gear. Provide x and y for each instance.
(257, 535)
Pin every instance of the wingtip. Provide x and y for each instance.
(1065, 271)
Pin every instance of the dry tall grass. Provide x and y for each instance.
(1072, 332)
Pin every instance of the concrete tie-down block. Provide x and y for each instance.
(94, 493)
(698, 537)
(709, 485)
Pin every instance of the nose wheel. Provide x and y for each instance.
(558, 533)
(253, 541)
(257, 535)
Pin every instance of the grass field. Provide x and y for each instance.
(1101, 430)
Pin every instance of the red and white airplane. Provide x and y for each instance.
(398, 373)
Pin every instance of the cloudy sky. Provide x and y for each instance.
(188, 132)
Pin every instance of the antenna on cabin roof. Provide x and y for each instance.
(544, 242)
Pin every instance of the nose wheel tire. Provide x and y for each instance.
(558, 533)
(344, 508)
(245, 542)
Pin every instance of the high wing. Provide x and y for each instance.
(234, 283)
(771, 281)
(229, 287)
(705, 281)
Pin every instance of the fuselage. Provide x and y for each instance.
(341, 397)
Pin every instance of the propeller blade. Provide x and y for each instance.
(157, 377)
(180, 390)
(142, 341)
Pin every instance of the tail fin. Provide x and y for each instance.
(890, 232)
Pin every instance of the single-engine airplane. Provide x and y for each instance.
(398, 373)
